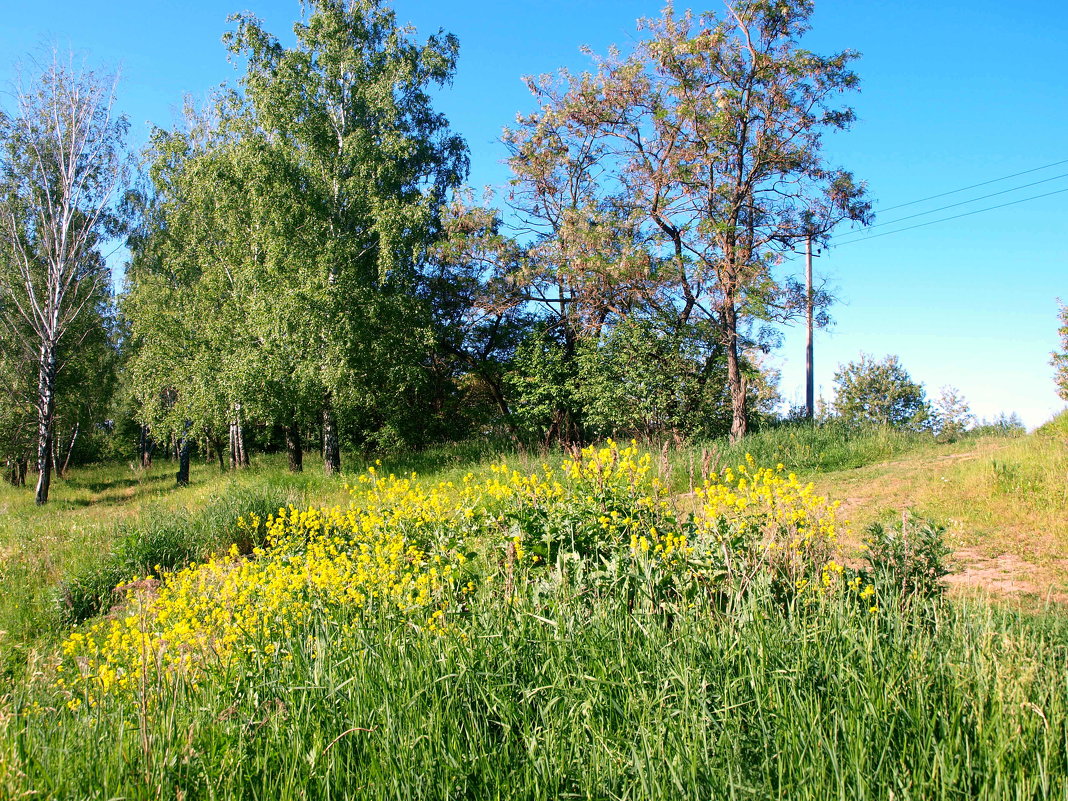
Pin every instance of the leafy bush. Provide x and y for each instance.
(1004, 425)
(907, 558)
(951, 416)
(870, 392)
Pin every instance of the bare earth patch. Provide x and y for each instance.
(1006, 574)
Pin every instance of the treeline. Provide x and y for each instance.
(308, 271)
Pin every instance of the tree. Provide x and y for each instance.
(1059, 359)
(201, 272)
(870, 392)
(702, 152)
(63, 165)
(951, 415)
(349, 109)
(289, 220)
(480, 316)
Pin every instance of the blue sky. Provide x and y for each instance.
(952, 95)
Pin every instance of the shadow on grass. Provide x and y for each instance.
(117, 491)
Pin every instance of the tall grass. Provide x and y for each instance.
(573, 697)
(550, 690)
(806, 448)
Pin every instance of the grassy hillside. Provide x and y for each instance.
(508, 629)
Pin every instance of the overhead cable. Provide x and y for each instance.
(974, 186)
(947, 219)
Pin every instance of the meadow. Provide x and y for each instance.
(624, 622)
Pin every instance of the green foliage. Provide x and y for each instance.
(633, 380)
(636, 380)
(1059, 359)
(1005, 425)
(908, 558)
(870, 392)
(541, 380)
(162, 540)
(1057, 426)
(646, 197)
(951, 416)
(275, 278)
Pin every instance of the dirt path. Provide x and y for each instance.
(1007, 575)
(997, 549)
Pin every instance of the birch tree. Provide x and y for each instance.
(349, 106)
(63, 167)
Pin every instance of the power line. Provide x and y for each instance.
(954, 217)
(966, 202)
(973, 186)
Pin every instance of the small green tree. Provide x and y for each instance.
(870, 392)
(1060, 359)
(951, 415)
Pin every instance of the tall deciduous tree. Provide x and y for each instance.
(349, 103)
(63, 166)
(704, 149)
(288, 223)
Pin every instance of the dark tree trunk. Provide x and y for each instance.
(217, 446)
(295, 448)
(46, 405)
(145, 446)
(183, 459)
(735, 379)
(22, 466)
(331, 446)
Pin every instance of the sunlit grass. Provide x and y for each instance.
(563, 683)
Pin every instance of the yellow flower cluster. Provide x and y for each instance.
(398, 548)
(318, 564)
(771, 507)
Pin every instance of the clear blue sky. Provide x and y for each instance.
(952, 94)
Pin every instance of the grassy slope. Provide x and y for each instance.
(1004, 502)
(750, 705)
(95, 509)
(998, 496)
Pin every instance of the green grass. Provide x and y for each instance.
(567, 693)
(997, 494)
(104, 524)
(580, 698)
(107, 523)
(809, 449)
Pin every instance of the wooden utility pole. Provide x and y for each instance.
(810, 402)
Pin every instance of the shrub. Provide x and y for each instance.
(1004, 425)
(870, 392)
(1059, 359)
(951, 416)
(907, 558)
